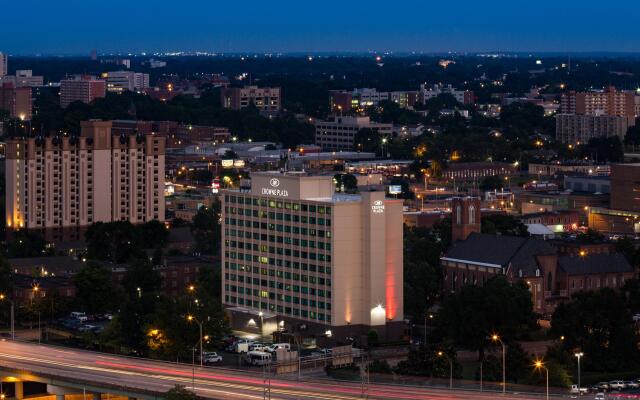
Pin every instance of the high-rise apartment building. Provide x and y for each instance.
(604, 102)
(62, 184)
(296, 251)
(81, 88)
(119, 81)
(339, 134)
(579, 128)
(3, 64)
(267, 100)
(17, 101)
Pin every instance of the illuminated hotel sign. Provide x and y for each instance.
(273, 190)
(378, 207)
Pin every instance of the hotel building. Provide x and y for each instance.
(61, 184)
(297, 252)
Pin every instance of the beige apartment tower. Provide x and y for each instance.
(299, 255)
(62, 184)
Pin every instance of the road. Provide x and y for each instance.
(216, 383)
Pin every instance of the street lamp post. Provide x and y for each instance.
(579, 355)
(13, 330)
(540, 365)
(497, 338)
(192, 318)
(442, 354)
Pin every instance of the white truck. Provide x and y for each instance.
(241, 347)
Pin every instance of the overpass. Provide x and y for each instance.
(69, 371)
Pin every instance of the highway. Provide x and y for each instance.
(216, 383)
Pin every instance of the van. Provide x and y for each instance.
(258, 358)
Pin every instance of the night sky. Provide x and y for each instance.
(75, 27)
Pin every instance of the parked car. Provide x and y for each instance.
(257, 347)
(616, 385)
(600, 396)
(602, 385)
(632, 384)
(277, 346)
(211, 358)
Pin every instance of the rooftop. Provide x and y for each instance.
(595, 264)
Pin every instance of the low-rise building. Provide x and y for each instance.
(340, 133)
(550, 275)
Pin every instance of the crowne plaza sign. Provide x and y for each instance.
(274, 189)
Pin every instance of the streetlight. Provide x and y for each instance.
(261, 315)
(496, 338)
(579, 355)
(540, 365)
(441, 354)
(139, 290)
(36, 288)
(13, 330)
(192, 318)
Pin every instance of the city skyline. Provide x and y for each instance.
(500, 26)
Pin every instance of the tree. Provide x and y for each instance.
(94, 291)
(206, 229)
(25, 243)
(152, 234)
(599, 324)
(141, 279)
(346, 183)
(179, 392)
(117, 241)
(470, 316)
(491, 183)
(424, 361)
(372, 338)
(422, 272)
(605, 149)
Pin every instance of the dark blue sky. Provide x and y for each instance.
(74, 26)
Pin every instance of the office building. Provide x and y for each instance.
(579, 128)
(4, 70)
(119, 81)
(429, 92)
(582, 167)
(81, 88)
(367, 97)
(340, 133)
(17, 101)
(266, 100)
(62, 184)
(296, 251)
(604, 102)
